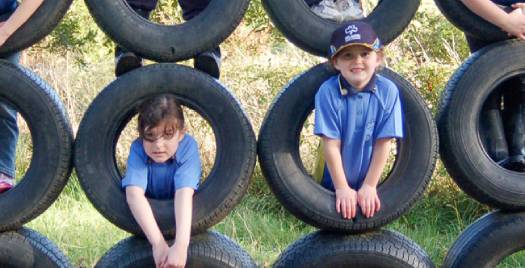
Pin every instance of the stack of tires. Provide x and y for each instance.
(115, 106)
(52, 138)
(342, 242)
(465, 125)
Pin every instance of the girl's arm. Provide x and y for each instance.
(183, 212)
(512, 23)
(141, 210)
(367, 195)
(346, 197)
(19, 17)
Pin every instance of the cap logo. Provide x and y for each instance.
(351, 29)
(351, 35)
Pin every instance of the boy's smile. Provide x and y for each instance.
(357, 65)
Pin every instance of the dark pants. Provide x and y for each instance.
(312, 2)
(475, 44)
(190, 8)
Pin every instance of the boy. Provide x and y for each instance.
(163, 163)
(507, 148)
(357, 113)
(208, 61)
(8, 125)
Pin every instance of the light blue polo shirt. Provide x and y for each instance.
(161, 180)
(358, 119)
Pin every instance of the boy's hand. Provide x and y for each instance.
(368, 200)
(346, 202)
(160, 254)
(177, 256)
(515, 24)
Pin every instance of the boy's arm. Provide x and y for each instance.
(512, 23)
(183, 212)
(19, 17)
(141, 210)
(346, 197)
(367, 195)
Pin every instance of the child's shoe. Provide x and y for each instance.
(338, 10)
(209, 62)
(6, 183)
(125, 62)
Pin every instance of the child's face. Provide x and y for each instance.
(162, 141)
(357, 65)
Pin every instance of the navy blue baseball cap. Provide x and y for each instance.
(354, 33)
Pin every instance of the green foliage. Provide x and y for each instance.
(427, 53)
(77, 32)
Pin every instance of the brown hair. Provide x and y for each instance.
(157, 109)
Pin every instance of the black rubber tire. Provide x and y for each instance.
(380, 249)
(487, 241)
(303, 196)
(470, 23)
(210, 250)
(461, 148)
(41, 23)
(312, 33)
(168, 43)
(52, 137)
(26, 248)
(112, 109)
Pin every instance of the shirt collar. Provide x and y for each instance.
(346, 89)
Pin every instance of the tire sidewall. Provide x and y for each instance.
(313, 33)
(39, 25)
(168, 43)
(462, 150)
(52, 141)
(235, 142)
(470, 23)
(305, 198)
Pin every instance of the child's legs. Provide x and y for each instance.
(143, 8)
(475, 44)
(192, 8)
(312, 2)
(8, 133)
(147, 5)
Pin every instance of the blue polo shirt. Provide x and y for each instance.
(161, 180)
(358, 119)
(7, 6)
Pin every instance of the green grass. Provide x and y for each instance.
(261, 225)
(258, 62)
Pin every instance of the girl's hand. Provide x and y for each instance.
(346, 202)
(177, 256)
(515, 24)
(368, 200)
(160, 254)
